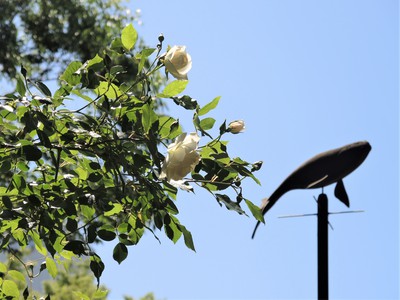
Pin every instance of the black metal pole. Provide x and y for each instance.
(323, 282)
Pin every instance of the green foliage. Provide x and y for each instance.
(74, 281)
(129, 37)
(43, 35)
(74, 178)
(174, 88)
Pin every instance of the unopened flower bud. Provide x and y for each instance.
(257, 166)
(236, 126)
(161, 38)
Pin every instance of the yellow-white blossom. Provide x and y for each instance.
(182, 157)
(178, 62)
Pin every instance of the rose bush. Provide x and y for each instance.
(74, 178)
(182, 157)
(178, 62)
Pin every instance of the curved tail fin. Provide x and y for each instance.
(255, 229)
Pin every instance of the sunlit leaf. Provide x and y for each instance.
(70, 75)
(81, 296)
(213, 104)
(174, 88)
(38, 242)
(100, 294)
(3, 268)
(95, 61)
(10, 288)
(110, 90)
(17, 275)
(51, 267)
(129, 37)
(117, 208)
(255, 210)
(207, 123)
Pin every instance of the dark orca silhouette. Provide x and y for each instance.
(322, 170)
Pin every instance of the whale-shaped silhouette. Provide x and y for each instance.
(322, 170)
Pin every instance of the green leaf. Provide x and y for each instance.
(17, 275)
(81, 295)
(210, 106)
(116, 45)
(97, 267)
(83, 96)
(87, 211)
(25, 294)
(7, 202)
(95, 63)
(148, 117)
(95, 177)
(43, 88)
(196, 123)
(186, 101)
(100, 294)
(44, 139)
(21, 89)
(120, 252)
(71, 225)
(51, 267)
(38, 242)
(174, 88)
(255, 210)
(117, 208)
(207, 123)
(31, 153)
(77, 247)
(23, 71)
(110, 90)
(231, 205)
(172, 231)
(129, 37)
(70, 75)
(187, 236)
(10, 288)
(5, 166)
(106, 235)
(3, 268)
(144, 54)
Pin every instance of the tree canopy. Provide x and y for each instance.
(111, 169)
(43, 35)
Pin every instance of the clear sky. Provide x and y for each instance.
(306, 76)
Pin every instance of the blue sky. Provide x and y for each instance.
(306, 76)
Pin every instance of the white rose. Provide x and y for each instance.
(236, 126)
(182, 157)
(178, 62)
